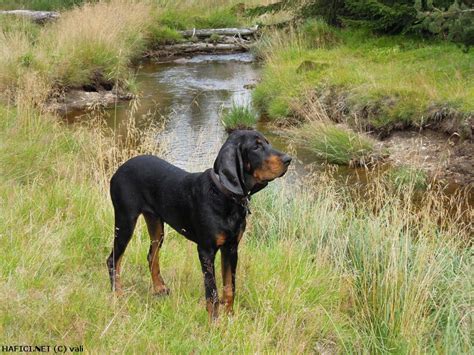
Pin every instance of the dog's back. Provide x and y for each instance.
(148, 184)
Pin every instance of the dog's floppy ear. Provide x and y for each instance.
(229, 167)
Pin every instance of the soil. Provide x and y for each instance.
(446, 158)
(443, 146)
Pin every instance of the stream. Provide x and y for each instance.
(188, 97)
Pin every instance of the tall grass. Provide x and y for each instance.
(95, 39)
(402, 270)
(380, 81)
(99, 41)
(92, 43)
(320, 269)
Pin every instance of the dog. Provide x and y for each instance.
(208, 208)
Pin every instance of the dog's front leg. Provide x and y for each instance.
(206, 257)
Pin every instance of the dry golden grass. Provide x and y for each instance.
(13, 47)
(95, 39)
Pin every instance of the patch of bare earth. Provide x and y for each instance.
(445, 158)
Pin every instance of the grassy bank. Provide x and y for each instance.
(97, 43)
(39, 5)
(319, 269)
(372, 82)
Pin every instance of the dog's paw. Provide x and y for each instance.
(161, 291)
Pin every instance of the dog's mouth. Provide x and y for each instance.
(284, 171)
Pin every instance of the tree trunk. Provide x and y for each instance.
(242, 32)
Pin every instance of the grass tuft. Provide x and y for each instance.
(239, 117)
(318, 34)
(378, 82)
(337, 145)
(404, 176)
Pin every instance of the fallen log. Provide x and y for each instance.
(171, 50)
(35, 16)
(242, 32)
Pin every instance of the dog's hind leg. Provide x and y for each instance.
(124, 226)
(156, 231)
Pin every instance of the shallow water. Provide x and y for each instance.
(188, 97)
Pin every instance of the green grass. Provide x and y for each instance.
(39, 5)
(215, 18)
(239, 117)
(337, 145)
(404, 176)
(318, 269)
(379, 81)
(99, 41)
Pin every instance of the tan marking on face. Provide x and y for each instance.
(271, 168)
(220, 239)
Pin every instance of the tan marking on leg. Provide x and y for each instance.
(155, 229)
(212, 310)
(227, 292)
(220, 239)
(117, 283)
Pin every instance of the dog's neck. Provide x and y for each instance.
(242, 200)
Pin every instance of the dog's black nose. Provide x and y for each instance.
(286, 159)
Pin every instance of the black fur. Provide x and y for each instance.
(194, 204)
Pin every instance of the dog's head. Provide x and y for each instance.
(247, 162)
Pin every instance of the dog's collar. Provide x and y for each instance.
(238, 199)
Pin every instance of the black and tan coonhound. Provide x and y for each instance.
(208, 208)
